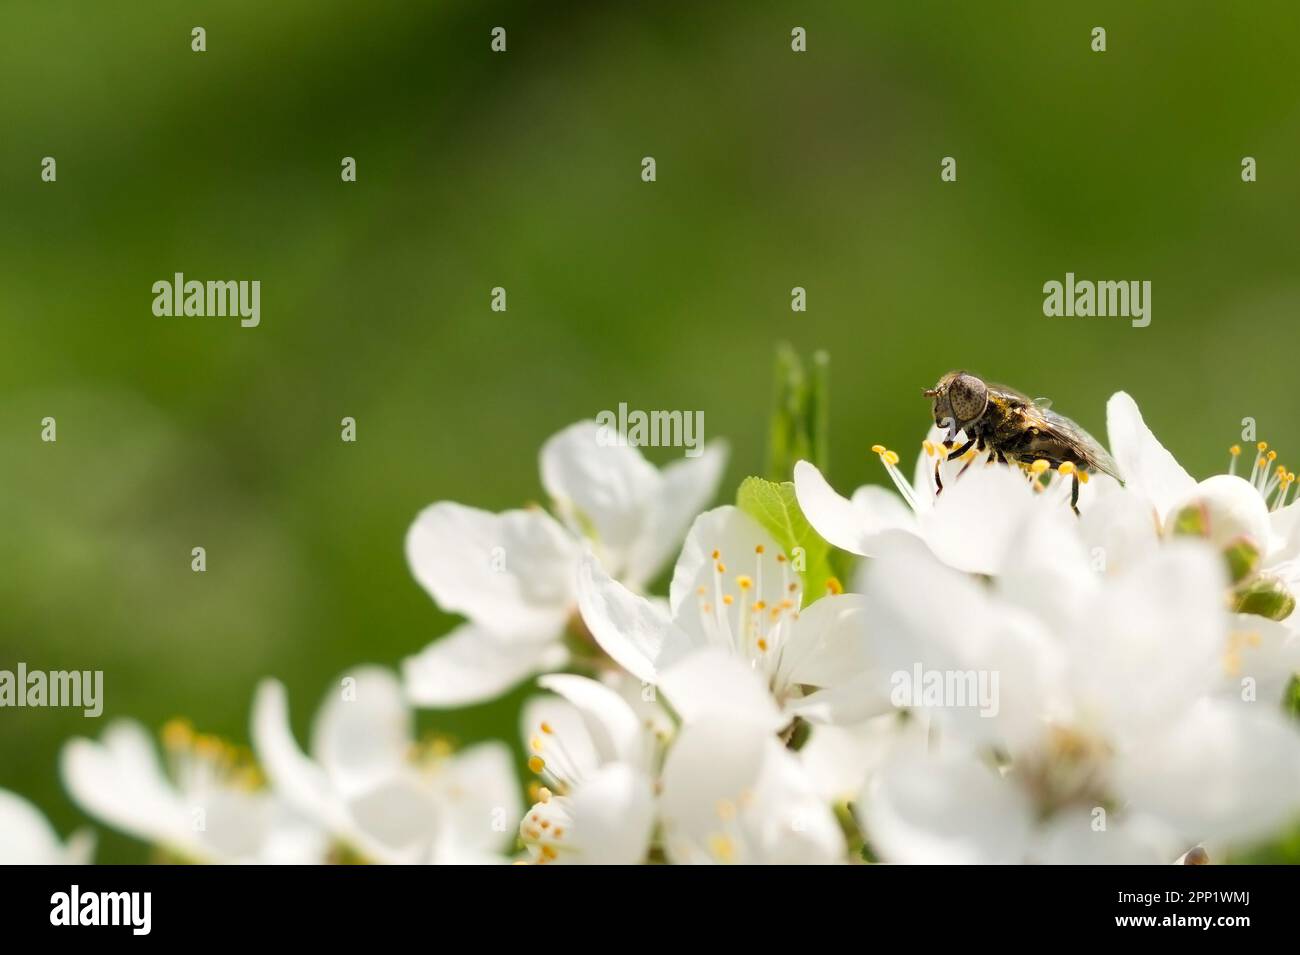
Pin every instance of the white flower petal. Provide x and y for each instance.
(510, 573)
(362, 732)
(1144, 464)
(296, 779)
(713, 683)
(856, 525)
(1152, 641)
(472, 665)
(732, 793)
(554, 729)
(946, 808)
(744, 549)
(26, 837)
(613, 816)
(120, 781)
(478, 794)
(614, 728)
(1222, 773)
(634, 631)
(686, 488)
(973, 521)
(600, 489)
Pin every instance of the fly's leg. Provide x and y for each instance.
(958, 452)
(938, 482)
(1074, 492)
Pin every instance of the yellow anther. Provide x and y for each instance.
(1065, 469)
(549, 852)
(891, 457)
(1083, 477)
(1038, 467)
(536, 744)
(834, 586)
(1272, 455)
(1235, 450)
(543, 794)
(717, 554)
(728, 599)
(762, 644)
(878, 448)
(722, 848)
(929, 448)
(780, 558)
(744, 582)
(177, 733)
(547, 729)
(761, 605)
(720, 567)
(1263, 446)
(536, 764)
(758, 549)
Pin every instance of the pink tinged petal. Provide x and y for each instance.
(713, 683)
(363, 731)
(599, 486)
(1144, 464)
(472, 665)
(687, 487)
(510, 573)
(634, 631)
(614, 728)
(857, 525)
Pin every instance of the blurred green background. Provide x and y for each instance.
(522, 170)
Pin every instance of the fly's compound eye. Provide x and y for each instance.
(968, 396)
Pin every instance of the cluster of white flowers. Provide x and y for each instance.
(1002, 682)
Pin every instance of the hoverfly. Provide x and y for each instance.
(1012, 428)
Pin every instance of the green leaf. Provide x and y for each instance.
(774, 506)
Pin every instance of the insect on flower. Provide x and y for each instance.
(1013, 428)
